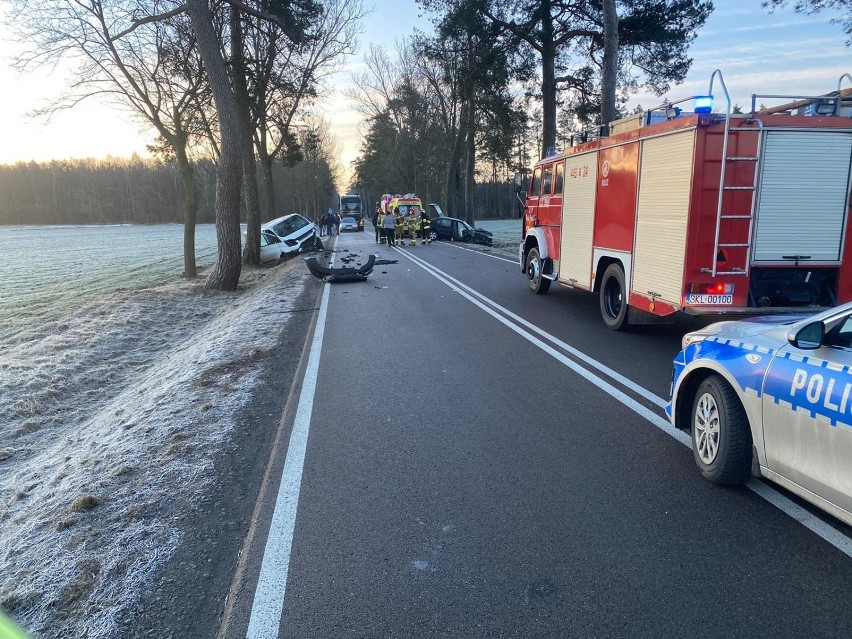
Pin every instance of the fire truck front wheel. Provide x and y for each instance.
(614, 298)
(537, 283)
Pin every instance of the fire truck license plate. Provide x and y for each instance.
(696, 299)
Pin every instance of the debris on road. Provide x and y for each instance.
(342, 274)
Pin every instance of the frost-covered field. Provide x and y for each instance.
(49, 270)
(111, 415)
(506, 233)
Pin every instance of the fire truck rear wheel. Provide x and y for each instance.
(614, 299)
(537, 283)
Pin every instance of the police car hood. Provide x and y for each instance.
(772, 328)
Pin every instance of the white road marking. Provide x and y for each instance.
(496, 257)
(618, 377)
(816, 525)
(267, 609)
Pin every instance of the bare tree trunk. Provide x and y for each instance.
(610, 63)
(190, 208)
(226, 274)
(470, 165)
(548, 100)
(268, 184)
(453, 182)
(548, 80)
(251, 251)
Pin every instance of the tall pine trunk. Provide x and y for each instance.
(610, 64)
(266, 181)
(470, 166)
(190, 208)
(251, 251)
(452, 185)
(548, 80)
(226, 273)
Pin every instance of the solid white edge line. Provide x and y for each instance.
(816, 525)
(267, 608)
(603, 368)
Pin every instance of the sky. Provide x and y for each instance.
(757, 52)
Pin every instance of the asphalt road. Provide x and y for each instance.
(466, 473)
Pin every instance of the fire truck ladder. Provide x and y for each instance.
(723, 216)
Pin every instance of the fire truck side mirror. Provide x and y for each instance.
(522, 203)
(519, 181)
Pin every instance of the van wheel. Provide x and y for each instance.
(537, 283)
(613, 299)
(721, 435)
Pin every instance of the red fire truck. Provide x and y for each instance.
(702, 212)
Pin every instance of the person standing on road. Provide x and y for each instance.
(379, 223)
(329, 223)
(389, 224)
(337, 223)
(425, 227)
(413, 221)
(400, 225)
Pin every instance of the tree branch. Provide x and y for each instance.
(263, 16)
(138, 23)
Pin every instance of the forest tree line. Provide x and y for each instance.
(142, 191)
(152, 190)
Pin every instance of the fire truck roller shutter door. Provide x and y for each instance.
(578, 219)
(662, 212)
(804, 188)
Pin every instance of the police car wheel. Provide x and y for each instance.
(537, 283)
(721, 436)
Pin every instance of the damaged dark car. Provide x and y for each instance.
(455, 230)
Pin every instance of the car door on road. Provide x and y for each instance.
(807, 415)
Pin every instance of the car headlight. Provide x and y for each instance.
(693, 338)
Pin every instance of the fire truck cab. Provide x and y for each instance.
(702, 212)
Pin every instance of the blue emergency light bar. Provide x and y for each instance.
(703, 104)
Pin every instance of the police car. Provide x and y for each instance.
(772, 396)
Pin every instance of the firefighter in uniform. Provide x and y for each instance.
(400, 226)
(380, 227)
(425, 227)
(413, 225)
(377, 222)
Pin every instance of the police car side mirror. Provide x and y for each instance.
(808, 337)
